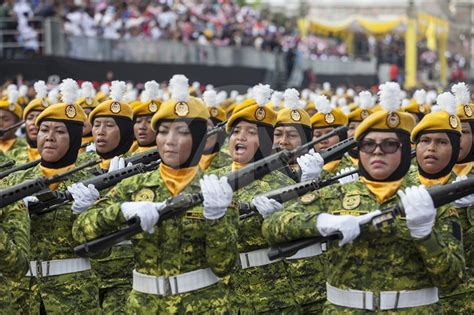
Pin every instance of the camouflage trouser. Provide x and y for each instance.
(210, 300)
(22, 296)
(74, 293)
(462, 303)
(421, 310)
(6, 305)
(114, 299)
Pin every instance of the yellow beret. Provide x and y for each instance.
(310, 105)
(111, 108)
(146, 108)
(14, 108)
(217, 113)
(384, 120)
(353, 106)
(415, 108)
(437, 121)
(136, 103)
(23, 100)
(230, 108)
(171, 109)
(377, 108)
(87, 102)
(250, 111)
(64, 112)
(101, 96)
(287, 116)
(332, 119)
(359, 114)
(465, 112)
(37, 104)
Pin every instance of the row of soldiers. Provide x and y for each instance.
(212, 256)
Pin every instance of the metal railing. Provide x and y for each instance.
(16, 42)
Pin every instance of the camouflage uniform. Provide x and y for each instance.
(51, 239)
(14, 251)
(18, 151)
(178, 245)
(221, 160)
(265, 289)
(388, 259)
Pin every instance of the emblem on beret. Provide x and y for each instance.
(144, 195)
(453, 121)
(393, 120)
(181, 109)
(260, 114)
(329, 118)
(467, 110)
(44, 102)
(89, 101)
(214, 112)
(70, 111)
(351, 201)
(152, 107)
(115, 107)
(295, 115)
(11, 107)
(364, 114)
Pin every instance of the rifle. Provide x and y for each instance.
(28, 165)
(52, 200)
(216, 129)
(177, 205)
(3, 131)
(7, 164)
(247, 209)
(32, 186)
(441, 195)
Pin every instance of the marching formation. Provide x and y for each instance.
(180, 200)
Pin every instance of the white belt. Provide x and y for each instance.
(310, 251)
(385, 300)
(58, 267)
(182, 283)
(256, 258)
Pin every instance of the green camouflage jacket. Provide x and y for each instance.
(18, 151)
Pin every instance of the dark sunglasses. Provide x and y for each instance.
(387, 146)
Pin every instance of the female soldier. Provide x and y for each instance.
(418, 107)
(142, 114)
(213, 158)
(465, 113)
(394, 267)
(177, 262)
(88, 102)
(10, 114)
(258, 285)
(58, 280)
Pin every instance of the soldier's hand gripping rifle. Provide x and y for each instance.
(176, 206)
(441, 195)
(5, 130)
(52, 200)
(32, 186)
(284, 194)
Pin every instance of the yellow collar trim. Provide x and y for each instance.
(206, 160)
(6, 145)
(354, 160)
(144, 149)
(383, 191)
(237, 166)
(48, 172)
(33, 154)
(431, 182)
(331, 166)
(104, 164)
(177, 180)
(462, 169)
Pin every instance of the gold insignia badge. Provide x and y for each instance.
(181, 109)
(364, 114)
(329, 118)
(152, 107)
(260, 114)
(453, 121)
(453, 212)
(295, 115)
(11, 107)
(89, 101)
(421, 108)
(393, 120)
(308, 198)
(70, 111)
(214, 112)
(115, 107)
(44, 102)
(351, 201)
(194, 215)
(144, 194)
(468, 110)
(349, 212)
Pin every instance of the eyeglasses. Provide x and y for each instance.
(387, 146)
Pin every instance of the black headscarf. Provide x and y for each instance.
(402, 169)
(265, 139)
(74, 130)
(126, 137)
(342, 136)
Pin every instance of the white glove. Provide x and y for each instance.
(419, 210)
(91, 147)
(146, 211)
(116, 163)
(266, 206)
(217, 195)
(84, 197)
(310, 165)
(348, 179)
(348, 225)
(466, 201)
(29, 199)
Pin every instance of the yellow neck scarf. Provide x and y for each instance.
(48, 172)
(6, 145)
(206, 160)
(383, 191)
(237, 166)
(105, 164)
(462, 169)
(431, 182)
(144, 149)
(133, 147)
(354, 160)
(331, 166)
(177, 180)
(33, 154)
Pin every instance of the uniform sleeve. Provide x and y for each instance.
(14, 241)
(221, 242)
(442, 250)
